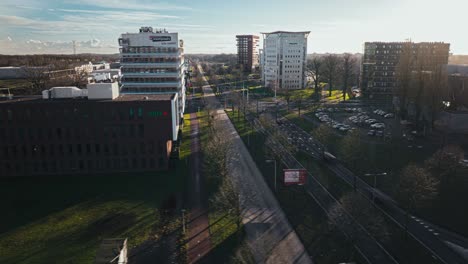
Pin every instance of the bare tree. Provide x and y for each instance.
(36, 73)
(347, 73)
(228, 199)
(286, 93)
(330, 64)
(416, 188)
(314, 67)
(436, 91)
(214, 81)
(243, 255)
(404, 76)
(298, 100)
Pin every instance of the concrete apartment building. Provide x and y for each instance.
(284, 59)
(152, 62)
(378, 69)
(86, 131)
(247, 51)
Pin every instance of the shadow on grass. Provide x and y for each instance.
(225, 251)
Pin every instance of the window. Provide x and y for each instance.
(141, 130)
(140, 112)
(115, 149)
(142, 148)
(131, 113)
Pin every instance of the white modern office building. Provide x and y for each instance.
(284, 59)
(152, 62)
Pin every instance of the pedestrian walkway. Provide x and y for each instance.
(198, 237)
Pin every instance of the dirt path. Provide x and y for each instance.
(199, 243)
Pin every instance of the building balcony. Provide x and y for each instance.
(152, 84)
(152, 64)
(152, 74)
(152, 55)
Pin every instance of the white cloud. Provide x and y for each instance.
(131, 4)
(34, 46)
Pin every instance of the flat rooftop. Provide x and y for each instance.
(293, 32)
(122, 98)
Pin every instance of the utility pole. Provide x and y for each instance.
(274, 161)
(375, 183)
(183, 221)
(74, 48)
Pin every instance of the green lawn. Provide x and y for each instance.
(14, 83)
(225, 238)
(62, 219)
(299, 121)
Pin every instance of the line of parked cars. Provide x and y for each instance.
(383, 113)
(324, 118)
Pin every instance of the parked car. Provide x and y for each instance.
(389, 115)
(371, 133)
(378, 125)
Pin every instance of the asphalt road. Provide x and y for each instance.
(269, 234)
(430, 236)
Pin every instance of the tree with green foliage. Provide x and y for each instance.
(351, 151)
(444, 163)
(353, 208)
(323, 134)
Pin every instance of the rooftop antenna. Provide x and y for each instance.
(74, 47)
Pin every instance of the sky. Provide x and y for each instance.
(210, 26)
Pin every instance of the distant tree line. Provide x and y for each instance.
(71, 60)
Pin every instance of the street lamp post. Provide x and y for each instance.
(183, 221)
(274, 161)
(375, 183)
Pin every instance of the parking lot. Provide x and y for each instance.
(375, 124)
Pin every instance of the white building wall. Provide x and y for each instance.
(284, 59)
(136, 45)
(103, 90)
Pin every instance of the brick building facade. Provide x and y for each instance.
(70, 136)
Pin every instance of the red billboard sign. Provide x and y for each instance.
(295, 177)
